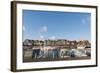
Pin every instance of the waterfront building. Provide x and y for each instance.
(83, 44)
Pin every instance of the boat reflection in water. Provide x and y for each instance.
(63, 50)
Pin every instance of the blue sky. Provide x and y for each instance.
(56, 25)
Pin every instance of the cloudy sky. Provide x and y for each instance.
(56, 25)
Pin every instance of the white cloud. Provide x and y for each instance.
(53, 37)
(44, 29)
(83, 21)
(23, 28)
(41, 36)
